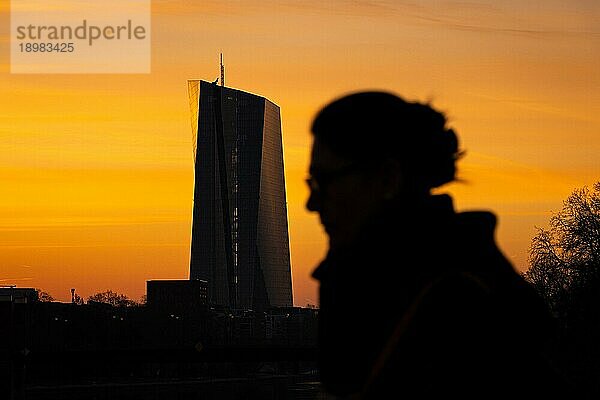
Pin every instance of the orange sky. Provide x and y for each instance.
(96, 175)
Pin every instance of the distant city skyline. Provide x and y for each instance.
(97, 170)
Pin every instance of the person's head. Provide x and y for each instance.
(371, 149)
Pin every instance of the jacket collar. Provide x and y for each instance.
(403, 218)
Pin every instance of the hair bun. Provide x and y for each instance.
(371, 125)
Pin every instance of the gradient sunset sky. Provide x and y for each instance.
(96, 175)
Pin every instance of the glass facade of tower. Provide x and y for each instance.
(240, 242)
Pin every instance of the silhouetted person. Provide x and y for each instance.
(416, 300)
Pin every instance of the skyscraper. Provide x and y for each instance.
(240, 242)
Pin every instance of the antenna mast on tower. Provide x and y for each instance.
(222, 71)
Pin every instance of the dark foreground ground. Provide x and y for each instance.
(285, 387)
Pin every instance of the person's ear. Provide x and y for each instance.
(392, 179)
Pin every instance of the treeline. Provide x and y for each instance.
(565, 270)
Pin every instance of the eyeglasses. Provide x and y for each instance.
(318, 181)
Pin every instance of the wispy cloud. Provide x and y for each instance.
(16, 279)
(477, 17)
(546, 33)
(100, 245)
(243, 7)
(38, 6)
(208, 7)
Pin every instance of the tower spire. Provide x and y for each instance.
(222, 71)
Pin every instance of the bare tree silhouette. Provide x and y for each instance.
(44, 296)
(565, 259)
(112, 298)
(565, 270)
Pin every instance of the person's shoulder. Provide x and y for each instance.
(479, 225)
(476, 246)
